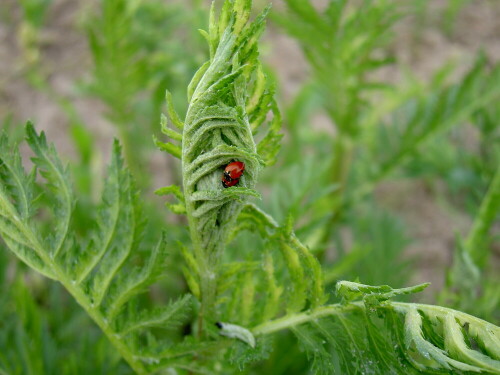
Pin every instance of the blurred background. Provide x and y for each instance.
(391, 123)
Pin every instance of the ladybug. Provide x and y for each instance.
(234, 170)
(232, 173)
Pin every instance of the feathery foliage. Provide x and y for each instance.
(375, 135)
(242, 298)
(229, 99)
(283, 287)
(135, 48)
(417, 118)
(98, 271)
(468, 286)
(39, 339)
(377, 335)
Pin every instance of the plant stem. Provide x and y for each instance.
(93, 311)
(292, 320)
(206, 266)
(341, 164)
(208, 286)
(99, 319)
(488, 211)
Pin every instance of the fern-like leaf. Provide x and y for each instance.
(229, 99)
(382, 336)
(57, 177)
(97, 270)
(418, 118)
(167, 316)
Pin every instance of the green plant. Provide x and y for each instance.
(447, 16)
(39, 339)
(241, 298)
(378, 127)
(340, 44)
(228, 102)
(30, 30)
(100, 271)
(139, 48)
(469, 279)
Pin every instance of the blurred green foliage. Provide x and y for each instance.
(444, 130)
(43, 331)
(381, 130)
(139, 48)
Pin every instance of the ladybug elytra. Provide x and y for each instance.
(232, 173)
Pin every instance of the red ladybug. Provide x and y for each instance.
(232, 173)
(229, 183)
(234, 170)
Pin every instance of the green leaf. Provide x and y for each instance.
(351, 291)
(97, 271)
(164, 317)
(390, 336)
(57, 176)
(229, 99)
(418, 118)
(21, 186)
(138, 280)
(486, 216)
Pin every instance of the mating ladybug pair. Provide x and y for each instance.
(232, 173)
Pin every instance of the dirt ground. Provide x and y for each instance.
(66, 61)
